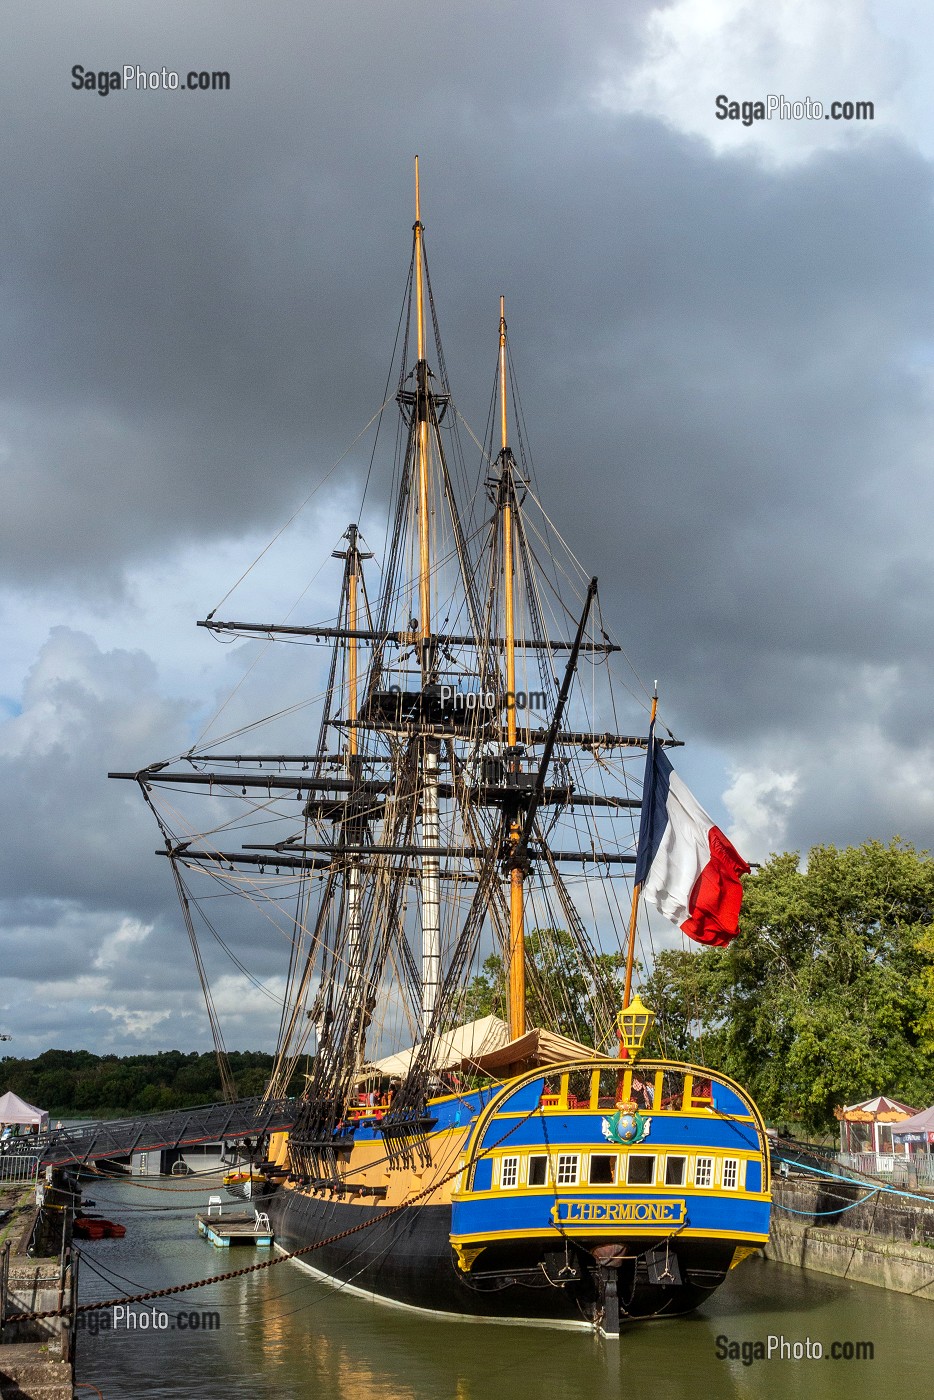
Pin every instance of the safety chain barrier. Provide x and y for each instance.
(278, 1259)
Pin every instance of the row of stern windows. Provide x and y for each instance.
(621, 1169)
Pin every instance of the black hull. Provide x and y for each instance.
(407, 1260)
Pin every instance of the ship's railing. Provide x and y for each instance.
(358, 1113)
(650, 1088)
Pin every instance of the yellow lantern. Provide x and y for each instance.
(634, 1024)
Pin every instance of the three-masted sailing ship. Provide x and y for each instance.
(445, 862)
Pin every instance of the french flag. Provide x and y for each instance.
(685, 865)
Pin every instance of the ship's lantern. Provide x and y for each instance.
(634, 1024)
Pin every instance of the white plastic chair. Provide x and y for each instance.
(261, 1222)
(215, 1201)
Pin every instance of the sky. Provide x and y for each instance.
(723, 329)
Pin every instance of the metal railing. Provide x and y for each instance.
(179, 1128)
(895, 1167)
(19, 1168)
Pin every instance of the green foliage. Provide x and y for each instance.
(560, 992)
(827, 996)
(77, 1084)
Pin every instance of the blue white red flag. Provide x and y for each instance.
(686, 866)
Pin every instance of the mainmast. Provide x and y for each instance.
(422, 417)
(430, 866)
(516, 958)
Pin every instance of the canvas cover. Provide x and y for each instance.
(536, 1047)
(465, 1043)
(16, 1112)
(921, 1123)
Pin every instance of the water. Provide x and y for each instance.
(283, 1334)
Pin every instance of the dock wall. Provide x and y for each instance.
(885, 1240)
(37, 1274)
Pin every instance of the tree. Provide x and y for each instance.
(827, 995)
(70, 1082)
(561, 989)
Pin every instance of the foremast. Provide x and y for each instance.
(354, 824)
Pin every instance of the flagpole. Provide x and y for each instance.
(636, 891)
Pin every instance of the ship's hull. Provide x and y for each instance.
(407, 1260)
(532, 1200)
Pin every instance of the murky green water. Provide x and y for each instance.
(282, 1334)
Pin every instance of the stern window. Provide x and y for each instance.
(675, 1171)
(730, 1178)
(641, 1171)
(509, 1173)
(538, 1171)
(602, 1169)
(703, 1171)
(567, 1170)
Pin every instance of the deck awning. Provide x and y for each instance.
(467, 1042)
(536, 1047)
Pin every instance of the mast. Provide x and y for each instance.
(352, 832)
(516, 959)
(431, 834)
(421, 409)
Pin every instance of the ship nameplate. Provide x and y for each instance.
(631, 1211)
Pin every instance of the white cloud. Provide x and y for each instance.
(848, 782)
(129, 935)
(759, 801)
(828, 51)
(132, 1021)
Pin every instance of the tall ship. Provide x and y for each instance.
(448, 831)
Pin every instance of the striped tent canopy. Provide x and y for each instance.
(881, 1109)
(453, 1047)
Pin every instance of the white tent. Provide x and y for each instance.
(15, 1112)
(465, 1043)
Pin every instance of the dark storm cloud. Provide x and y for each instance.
(203, 288)
(724, 368)
(204, 291)
(83, 712)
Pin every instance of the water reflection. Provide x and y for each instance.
(283, 1333)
